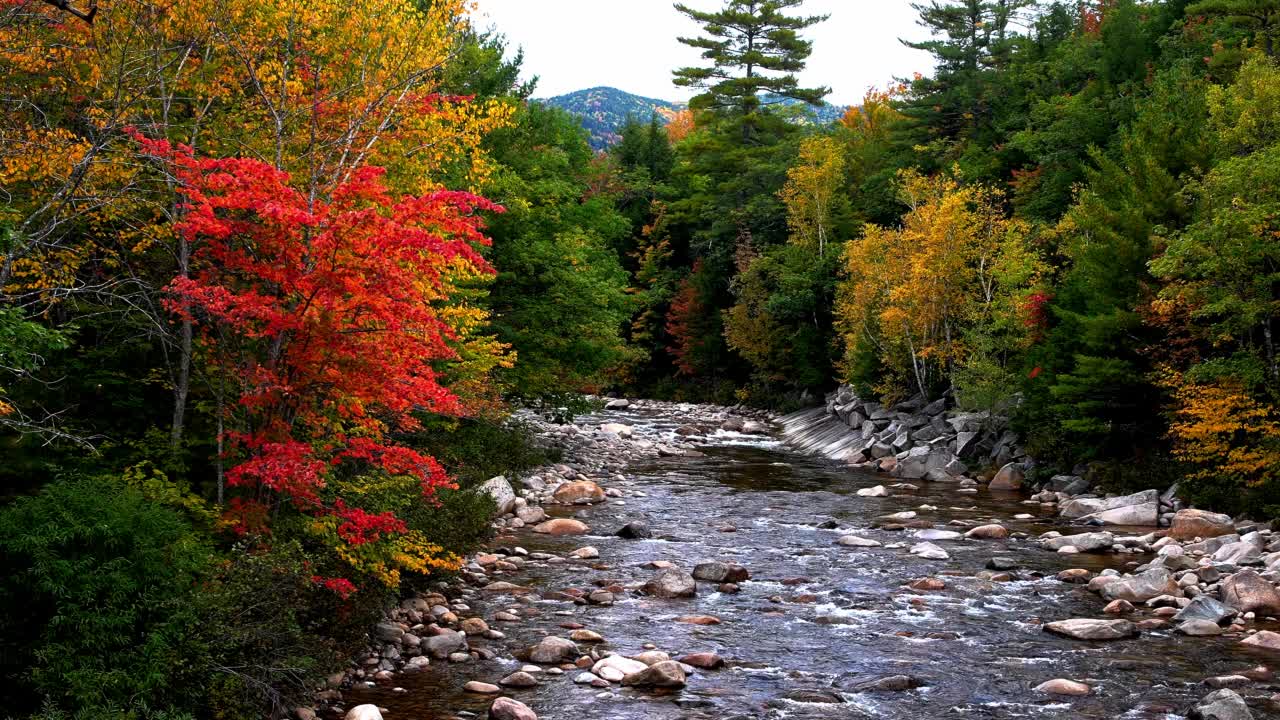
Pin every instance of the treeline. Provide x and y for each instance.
(1072, 221)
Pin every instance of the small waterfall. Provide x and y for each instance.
(818, 432)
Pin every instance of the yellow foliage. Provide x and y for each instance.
(811, 191)
(1224, 433)
(911, 293)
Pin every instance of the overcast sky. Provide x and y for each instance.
(631, 44)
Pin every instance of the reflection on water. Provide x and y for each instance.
(817, 618)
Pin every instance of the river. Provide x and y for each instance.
(816, 618)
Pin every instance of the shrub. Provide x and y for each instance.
(95, 601)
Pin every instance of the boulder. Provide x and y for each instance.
(616, 667)
(1222, 705)
(552, 650)
(1089, 506)
(671, 583)
(363, 712)
(1190, 524)
(581, 491)
(634, 530)
(877, 491)
(929, 551)
(932, 534)
(665, 674)
(562, 526)
(501, 492)
(857, 541)
(1203, 607)
(519, 679)
(1061, 686)
(481, 688)
(1238, 553)
(1084, 542)
(446, 643)
(988, 532)
(1263, 640)
(1009, 477)
(619, 429)
(1247, 591)
(719, 572)
(619, 404)
(1142, 587)
(703, 660)
(1140, 514)
(1199, 628)
(1089, 629)
(888, 683)
(508, 709)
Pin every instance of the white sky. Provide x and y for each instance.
(631, 44)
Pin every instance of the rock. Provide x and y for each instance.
(619, 404)
(1089, 629)
(581, 491)
(698, 620)
(857, 541)
(562, 526)
(1140, 514)
(551, 650)
(482, 688)
(1247, 591)
(671, 583)
(585, 553)
(813, 696)
(531, 515)
(1238, 553)
(1203, 607)
(1222, 705)
(1263, 640)
(666, 674)
(1199, 628)
(1118, 607)
(616, 667)
(1009, 477)
(445, 644)
(719, 572)
(921, 461)
(1084, 542)
(388, 632)
(1190, 524)
(473, 626)
(877, 491)
(1089, 506)
(703, 660)
(508, 709)
(634, 530)
(929, 584)
(988, 532)
(1061, 686)
(363, 712)
(587, 678)
(938, 535)
(929, 551)
(619, 429)
(504, 497)
(1142, 587)
(586, 636)
(1075, 575)
(519, 679)
(889, 683)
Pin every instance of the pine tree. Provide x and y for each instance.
(755, 51)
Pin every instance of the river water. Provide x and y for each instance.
(815, 618)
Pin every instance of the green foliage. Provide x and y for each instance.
(559, 297)
(97, 601)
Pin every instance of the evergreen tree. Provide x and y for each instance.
(755, 51)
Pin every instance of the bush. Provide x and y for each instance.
(96, 612)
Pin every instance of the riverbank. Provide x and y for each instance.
(821, 596)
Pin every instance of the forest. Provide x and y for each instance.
(275, 277)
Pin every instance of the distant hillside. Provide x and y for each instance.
(604, 110)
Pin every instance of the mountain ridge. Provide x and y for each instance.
(604, 111)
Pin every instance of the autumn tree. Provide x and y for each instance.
(812, 193)
(915, 296)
